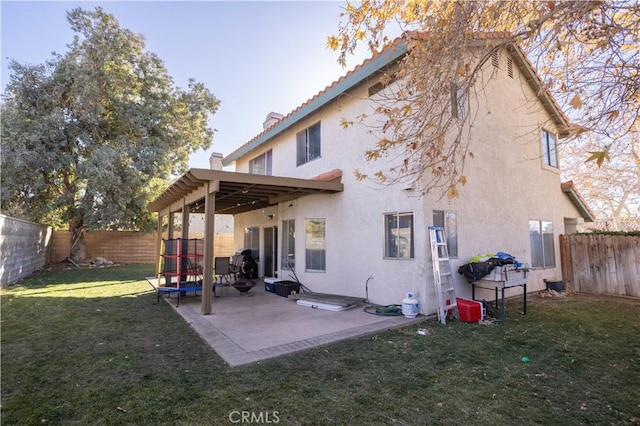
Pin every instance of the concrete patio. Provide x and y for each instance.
(243, 329)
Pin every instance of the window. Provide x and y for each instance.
(494, 62)
(288, 244)
(252, 241)
(398, 236)
(459, 103)
(308, 144)
(385, 81)
(549, 152)
(449, 221)
(314, 245)
(376, 88)
(542, 249)
(261, 165)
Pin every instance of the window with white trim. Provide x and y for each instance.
(549, 149)
(449, 221)
(542, 248)
(288, 260)
(315, 245)
(398, 235)
(308, 144)
(459, 103)
(252, 241)
(261, 165)
(384, 81)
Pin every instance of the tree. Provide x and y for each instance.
(90, 136)
(612, 191)
(587, 54)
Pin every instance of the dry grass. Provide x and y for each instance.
(90, 347)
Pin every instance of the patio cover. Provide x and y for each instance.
(216, 191)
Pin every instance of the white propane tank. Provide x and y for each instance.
(410, 306)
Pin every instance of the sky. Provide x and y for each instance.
(255, 57)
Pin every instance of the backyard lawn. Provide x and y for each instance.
(89, 346)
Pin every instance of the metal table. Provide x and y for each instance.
(500, 280)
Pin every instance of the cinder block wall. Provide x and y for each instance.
(121, 247)
(24, 247)
(60, 246)
(222, 245)
(124, 247)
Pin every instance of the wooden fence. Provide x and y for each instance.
(605, 264)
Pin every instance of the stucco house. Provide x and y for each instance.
(304, 208)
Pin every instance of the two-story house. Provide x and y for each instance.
(302, 207)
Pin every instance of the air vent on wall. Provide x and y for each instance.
(494, 59)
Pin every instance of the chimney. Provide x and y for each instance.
(215, 161)
(272, 118)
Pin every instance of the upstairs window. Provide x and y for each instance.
(549, 149)
(384, 81)
(308, 144)
(459, 103)
(261, 165)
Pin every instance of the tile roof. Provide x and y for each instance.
(395, 49)
(497, 35)
(392, 52)
(571, 191)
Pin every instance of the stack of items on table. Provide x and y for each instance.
(482, 265)
(500, 270)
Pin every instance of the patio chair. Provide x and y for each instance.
(222, 270)
(194, 273)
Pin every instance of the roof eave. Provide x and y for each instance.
(346, 83)
(371, 66)
(547, 99)
(586, 213)
(239, 192)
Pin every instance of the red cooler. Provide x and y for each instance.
(469, 310)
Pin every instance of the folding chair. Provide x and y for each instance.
(222, 272)
(194, 272)
(222, 269)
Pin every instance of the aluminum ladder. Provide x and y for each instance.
(442, 274)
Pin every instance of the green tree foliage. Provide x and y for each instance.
(90, 136)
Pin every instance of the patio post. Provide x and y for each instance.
(158, 243)
(170, 226)
(209, 219)
(185, 219)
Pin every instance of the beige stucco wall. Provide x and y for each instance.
(507, 187)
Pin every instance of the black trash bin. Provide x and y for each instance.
(554, 285)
